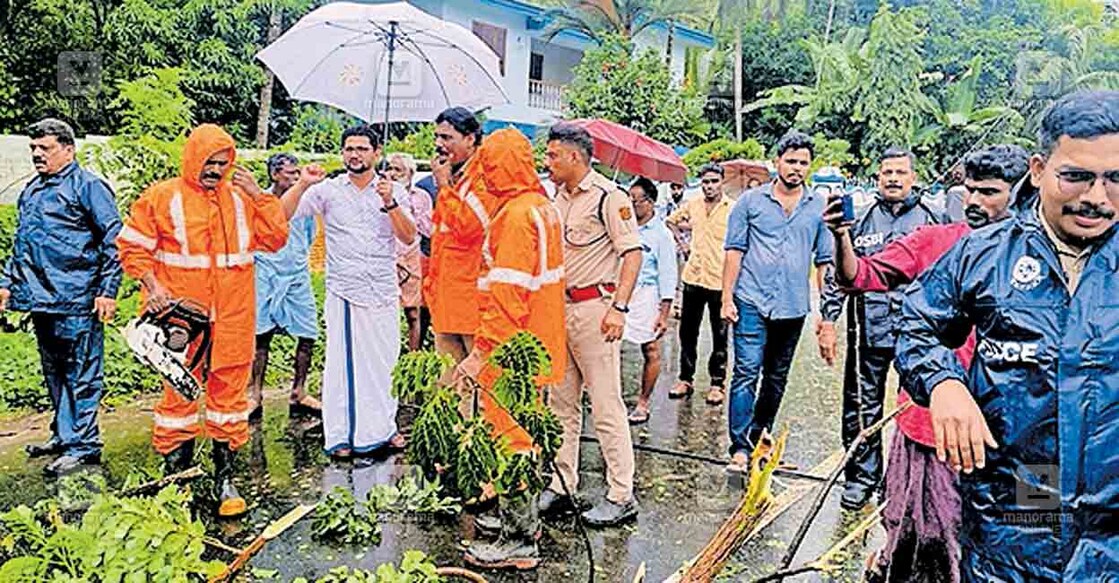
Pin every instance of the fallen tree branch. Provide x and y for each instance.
(746, 516)
(786, 472)
(822, 495)
(826, 559)
(460, 573)
(780, 504)
(183, 476)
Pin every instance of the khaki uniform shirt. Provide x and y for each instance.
(594, 243)
(709, 232)
(1072, 260)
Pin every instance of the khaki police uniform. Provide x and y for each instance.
(598, 228)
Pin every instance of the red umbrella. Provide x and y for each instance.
(632, 152)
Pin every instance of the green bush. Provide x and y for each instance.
(8, 215)
(722, 150)
(21, 376)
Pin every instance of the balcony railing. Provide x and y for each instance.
(543, 95)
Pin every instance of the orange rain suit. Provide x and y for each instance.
(199, 244)
(521, 281)
(458, 227)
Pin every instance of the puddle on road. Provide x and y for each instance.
(683, 502)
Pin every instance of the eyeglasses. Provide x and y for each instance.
(1077, 182)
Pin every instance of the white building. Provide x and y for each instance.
(535, 70)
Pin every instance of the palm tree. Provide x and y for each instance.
(839, 65)
(626, 18)
(959, 114)
(1043, 76)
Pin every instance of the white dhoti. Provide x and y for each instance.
(641, 321)
(362, 344)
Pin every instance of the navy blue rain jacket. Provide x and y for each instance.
(65, 251)
(1046, 376)
(880, 224)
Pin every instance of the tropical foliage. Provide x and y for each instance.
(612, 82)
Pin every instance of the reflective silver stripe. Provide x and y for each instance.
(234, 259)
(542, 236)
(176, 422)
(131, 235)
(226, 418)
(183, 261)
(475, 205)
(242, 224)
(517, 277)
(178, 222)
(520, 278)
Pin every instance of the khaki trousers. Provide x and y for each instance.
(595, 364)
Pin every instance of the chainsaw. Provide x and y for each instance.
(174, 341)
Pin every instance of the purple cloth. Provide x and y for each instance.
(922, 516)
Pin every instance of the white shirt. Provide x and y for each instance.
(360, 245)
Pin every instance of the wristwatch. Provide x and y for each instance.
(620, 308)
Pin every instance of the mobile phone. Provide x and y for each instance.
(848, 206)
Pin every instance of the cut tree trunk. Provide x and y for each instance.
(275, 20)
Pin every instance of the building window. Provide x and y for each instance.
(494, 37)
(536, 67)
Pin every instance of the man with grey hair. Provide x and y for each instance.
(65, 272)
(285, 301)
(411, 263)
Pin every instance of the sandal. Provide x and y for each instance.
(681, 390)
(715, 396)
(307, 406)
(638, 416)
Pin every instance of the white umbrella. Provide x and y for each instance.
(341, 55)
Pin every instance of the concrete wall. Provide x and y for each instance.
(15, 164)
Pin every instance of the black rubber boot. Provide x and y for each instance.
(179, 459)
(231, 504)
(516, 547)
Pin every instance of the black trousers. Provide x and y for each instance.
(862, 406)
(695, 300)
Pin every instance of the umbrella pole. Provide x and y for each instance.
(388, 88)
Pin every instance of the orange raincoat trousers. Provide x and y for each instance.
(199, 245)
(458, 227)
(521, 280)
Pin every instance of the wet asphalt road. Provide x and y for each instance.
(683, 502)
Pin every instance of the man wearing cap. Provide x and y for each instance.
(600, 233)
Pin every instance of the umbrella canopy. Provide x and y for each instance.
(340, 55)
(739, 172)
(632, 152)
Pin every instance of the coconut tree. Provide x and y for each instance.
(1043, 76)
(626, 18)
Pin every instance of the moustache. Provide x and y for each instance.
(976, 217)
(1088, 211)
